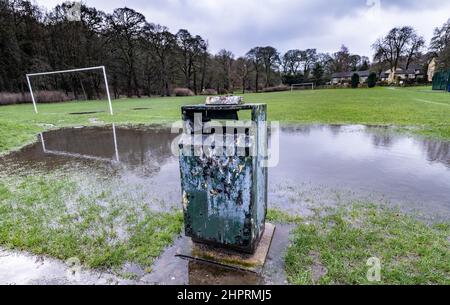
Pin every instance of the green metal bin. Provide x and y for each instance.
(224, 191)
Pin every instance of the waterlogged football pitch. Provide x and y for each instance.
(419, 108)
(124, 219)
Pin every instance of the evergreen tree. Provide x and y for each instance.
(355, 80)
(372, 80)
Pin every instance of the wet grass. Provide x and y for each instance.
(278, 216)
(64, 218)
(335, 246)
(14, 135)
(426, 111)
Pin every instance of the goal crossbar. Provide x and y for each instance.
(303, 85)
(69, 71)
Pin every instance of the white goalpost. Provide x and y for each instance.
(69, 71)
(302, 86)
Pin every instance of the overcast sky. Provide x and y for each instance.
(239, 25)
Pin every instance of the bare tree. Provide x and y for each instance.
(199, 56)
(413, 50)
(254, 56)
(355, 61)
(399, 42)
(225, 59)
(125, 28)
(440, 44)
(242, 72)
(308, 59)
(161, 42)
(204, 57)
(326, 61)
(441, 38)
(292, 61)
(192, 58)
(342, 60)
(184, 42)
(270, 60)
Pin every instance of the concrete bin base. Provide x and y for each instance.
(228, 258)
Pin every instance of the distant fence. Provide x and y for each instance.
(43, 96)
(441, 81)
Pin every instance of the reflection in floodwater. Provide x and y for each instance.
(205, 274)
(438, 152)
(82, 156)
(412, 172)
(144, 150)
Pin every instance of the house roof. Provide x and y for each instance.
(412, 69)
(350, 74)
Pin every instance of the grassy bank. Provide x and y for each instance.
(334, 247)
(427, 111)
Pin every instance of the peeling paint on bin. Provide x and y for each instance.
(225, 197)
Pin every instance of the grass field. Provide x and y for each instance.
(58, 214)
(419, 108)
(333, 247)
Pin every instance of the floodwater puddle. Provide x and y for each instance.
(142, 108)
(318, 165)
(85, 112)
(19, 268)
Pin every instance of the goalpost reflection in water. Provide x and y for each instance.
(84, 156)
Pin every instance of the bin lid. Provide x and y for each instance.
(224, 100)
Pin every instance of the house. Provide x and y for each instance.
(346, 77)
(432, 65)
(412, 73)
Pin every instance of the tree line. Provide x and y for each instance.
(144, 58)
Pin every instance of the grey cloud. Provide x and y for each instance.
(238, 25)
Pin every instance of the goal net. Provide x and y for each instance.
(79, 83)
(302, 86)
